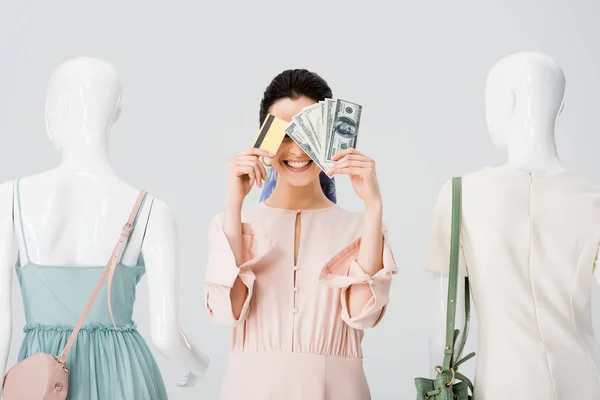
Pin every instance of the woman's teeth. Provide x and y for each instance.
(297, 164)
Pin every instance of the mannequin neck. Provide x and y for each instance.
(290, 197)
(89, 153)
(534, 148)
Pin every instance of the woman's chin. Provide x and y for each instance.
(298, 179)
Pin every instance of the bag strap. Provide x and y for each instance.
(121, 248)
(461, 347)
(453, 275)
(108, 272)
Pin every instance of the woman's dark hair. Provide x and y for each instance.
(293, 83)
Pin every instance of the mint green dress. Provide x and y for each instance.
(104, 363)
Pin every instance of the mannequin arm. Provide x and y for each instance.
(437, 325)
(7, 263)
(160, 251)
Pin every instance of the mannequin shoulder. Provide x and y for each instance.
(6, 200)
(576, 192)
(582, 183)
(161, 215)
(471, 182)
(6, 190)
(444, 194)
(442, 208)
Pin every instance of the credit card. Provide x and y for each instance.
(271, 134)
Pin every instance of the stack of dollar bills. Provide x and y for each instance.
(325, 128)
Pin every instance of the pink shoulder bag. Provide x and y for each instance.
(45, 376)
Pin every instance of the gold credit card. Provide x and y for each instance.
(271, 134)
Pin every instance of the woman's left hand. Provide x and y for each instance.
(362, 174)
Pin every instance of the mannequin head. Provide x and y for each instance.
(83, 101)
(287, 94)
(524, 96)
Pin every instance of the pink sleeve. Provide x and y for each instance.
(343, 270)
(222, 271)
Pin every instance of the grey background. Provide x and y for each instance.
(194, 73)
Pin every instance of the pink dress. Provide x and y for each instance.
(294, 339)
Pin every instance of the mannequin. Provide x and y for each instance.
(520, 121)
(72, 212)
(524, 97)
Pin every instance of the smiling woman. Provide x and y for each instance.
(289, 92)
(297, 277)
(291, 161)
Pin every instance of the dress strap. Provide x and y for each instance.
(17, 190)
(146, 223)
(143, 196)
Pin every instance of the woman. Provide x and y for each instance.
(297, 277)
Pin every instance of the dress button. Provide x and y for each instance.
(370, 281)
(296, 268)
(295, 310)
(296, 289)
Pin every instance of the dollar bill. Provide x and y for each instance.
(329, 108)
(323, 127)
(303, 124)
(323, 120)
(342, 130)
(298, 136)
(313, 116)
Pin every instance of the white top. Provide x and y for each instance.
(529, 244)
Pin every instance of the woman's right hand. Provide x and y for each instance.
(245, 170)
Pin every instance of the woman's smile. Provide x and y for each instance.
(298, 166)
